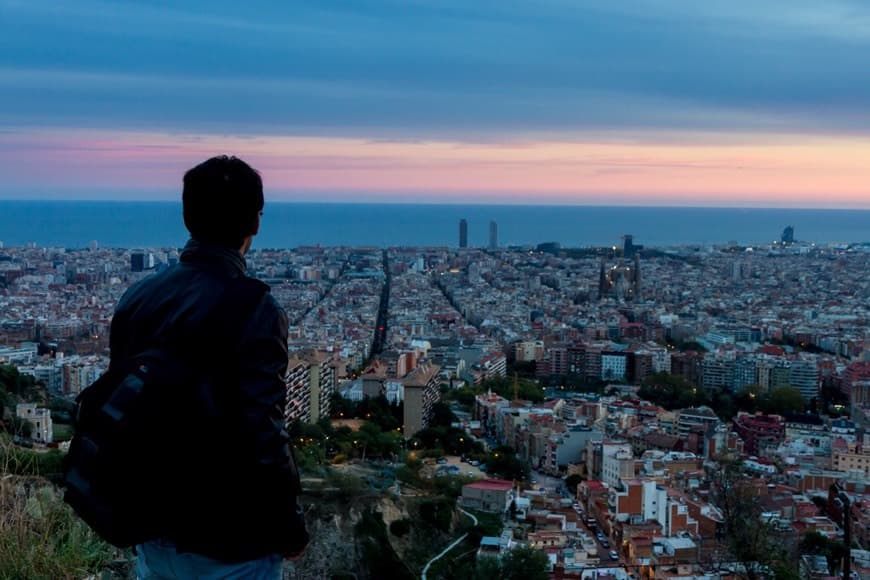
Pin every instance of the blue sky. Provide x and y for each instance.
(659, 73)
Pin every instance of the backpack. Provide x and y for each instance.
(131, 429)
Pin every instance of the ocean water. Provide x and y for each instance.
(74, 224)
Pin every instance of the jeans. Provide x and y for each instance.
(159, 560)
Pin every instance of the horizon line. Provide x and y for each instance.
(455, 204)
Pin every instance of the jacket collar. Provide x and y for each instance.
(227, 259)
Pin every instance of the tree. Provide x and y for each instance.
(525, 564)
(503, 462)
(834, 551)
(672, 392)
(784, 401)
(749, 539)
(572, 481)
(442, 416)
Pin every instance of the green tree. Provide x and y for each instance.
(442, 416)
(833, 550)
(528, 390)
(438, 512)
(22, 386)
(784, 401)
(525, 564)
(572, 481)
(504, 463)
(672, 392)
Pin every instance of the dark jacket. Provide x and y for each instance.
(233, 481)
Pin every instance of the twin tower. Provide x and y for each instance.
(463, 234)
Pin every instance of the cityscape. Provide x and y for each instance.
(630, 390)
(574, 290)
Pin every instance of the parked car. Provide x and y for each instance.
(442, 461)
(605, 544)
(614, 555)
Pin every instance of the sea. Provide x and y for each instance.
(76, 224)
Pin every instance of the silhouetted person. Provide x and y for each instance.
(233, 508)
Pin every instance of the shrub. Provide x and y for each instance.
(40, 537)
(348, 485)
(409, 475)
(438, 512)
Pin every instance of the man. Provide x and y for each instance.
(231, 488)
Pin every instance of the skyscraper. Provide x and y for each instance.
(788, 235)
(463, 233)
(627, 246)
(493, 235)
(137, 261)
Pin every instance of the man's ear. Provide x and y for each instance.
(256, 224)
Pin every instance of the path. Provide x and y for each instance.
(450, 547)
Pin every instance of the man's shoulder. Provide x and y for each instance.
(267, 308)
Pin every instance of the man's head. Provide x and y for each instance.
(222, 200)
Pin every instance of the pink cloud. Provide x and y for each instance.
(807, 171)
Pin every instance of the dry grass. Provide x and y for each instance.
(40, 536)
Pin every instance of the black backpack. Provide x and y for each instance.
(132, 428)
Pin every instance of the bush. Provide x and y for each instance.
(339, 459)
(409, 475)
(40, 537)
(17, 461)
(378, 556)
(438, 512)
(400, 527)
(348, 485)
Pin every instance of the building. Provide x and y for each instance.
(617, 462)
(529, 350)
(493, 235)
(628, 248)
(694, 418)
(39, 419)
(298, 384)
(18, 356)
(463, 233)
(490, 495)
(759, 431)
(310, 383)
(805, 377)
(137, 261)
(851, 457)
(421, 394)
(614, 366)
(717, 373)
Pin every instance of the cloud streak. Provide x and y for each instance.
(766, 173)
(548, 100)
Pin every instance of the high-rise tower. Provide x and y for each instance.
(493, 235)
(627, 246)
(463, 233)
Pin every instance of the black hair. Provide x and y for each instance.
(222, 200)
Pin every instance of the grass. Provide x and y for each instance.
(62, 432)
(40, 536)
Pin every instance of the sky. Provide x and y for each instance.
(762, 103)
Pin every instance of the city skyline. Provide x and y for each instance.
(547, 103)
